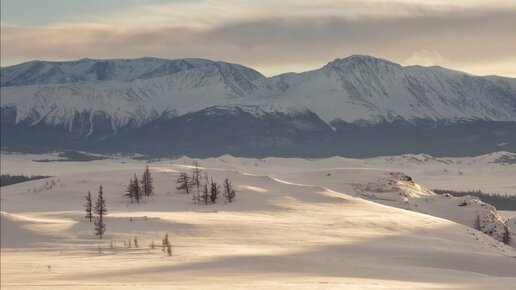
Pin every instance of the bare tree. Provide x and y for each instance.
(196, 198)
(206, 196)
(167, 246)
(88, 207)
(184, 182)
(196, 175)
(229, 191)
(195, 182)
(100, 211)
(147, 186)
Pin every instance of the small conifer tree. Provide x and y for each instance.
(229, 191)
(88, 207)
(214, 191)
(147, 186)
(137, 190)
(100, 210)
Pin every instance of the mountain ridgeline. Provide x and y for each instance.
(358, 106)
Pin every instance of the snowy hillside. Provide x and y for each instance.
(357, 88)
(130, 92)
(374, 90)
(295, 223)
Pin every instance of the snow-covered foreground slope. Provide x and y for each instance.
(294, 224)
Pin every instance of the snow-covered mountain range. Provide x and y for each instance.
(107, 96)
(351, 89)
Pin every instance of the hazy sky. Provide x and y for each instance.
(272, 36)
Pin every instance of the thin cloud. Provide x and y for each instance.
(306, 36)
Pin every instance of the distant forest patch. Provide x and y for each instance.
(500, 201)
(7, 179)
(73, 156)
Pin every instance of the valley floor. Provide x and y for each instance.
(289, 228)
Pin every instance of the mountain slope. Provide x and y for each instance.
(132, 93)
(365, 88)
(414, 109)
(351, 89)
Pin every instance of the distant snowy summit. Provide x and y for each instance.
(102, 98)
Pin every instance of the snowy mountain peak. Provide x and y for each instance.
(362, 60)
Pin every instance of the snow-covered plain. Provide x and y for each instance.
(295, 223)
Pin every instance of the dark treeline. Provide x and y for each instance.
(6, 179)
(500, 201)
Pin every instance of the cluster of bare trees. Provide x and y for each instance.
(138, 188)
(166, 245)
(99, 209)
(129, 243)
(49, 184)
(204, 189)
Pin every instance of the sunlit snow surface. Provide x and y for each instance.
(296, 223)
